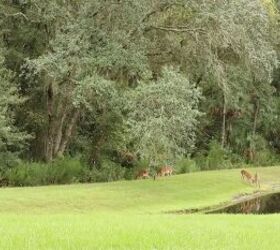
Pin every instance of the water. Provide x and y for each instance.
(267, 204)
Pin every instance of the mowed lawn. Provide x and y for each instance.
(131, 215)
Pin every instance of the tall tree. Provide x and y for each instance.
(163, 117)
(69, 57)
(11, 138)
(214, 41)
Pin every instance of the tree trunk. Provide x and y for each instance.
(229, 130)
(253, 143)
(223, 140)
(59, 133)
(68, 133)
(257, 109)
(49, 141)
(59, 129)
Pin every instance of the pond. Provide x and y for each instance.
(266, 204)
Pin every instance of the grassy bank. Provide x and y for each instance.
(128, 215)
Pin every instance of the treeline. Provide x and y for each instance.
(126, 85)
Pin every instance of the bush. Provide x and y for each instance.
(266, 158)
(108, 171)
(142, 164)
(62, 171)
(200, 160)
(217, 158)
(186, 165)
(65, 171)
(129, 174)
(8, 160)
(26, 175)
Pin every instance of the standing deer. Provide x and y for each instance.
(143, 174)
(166, 170)
(245, 175)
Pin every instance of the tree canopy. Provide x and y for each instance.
(159, 80)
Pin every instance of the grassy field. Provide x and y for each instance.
(130, 215)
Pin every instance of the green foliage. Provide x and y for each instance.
(63, 171)
(11, 139)
(186, 165)
(108, 171)
(266, 157)
(162, 117)
(263, 154)
(215, 158)
(200, 160)
(142, 164)
(8, 160)
(34, 174)
(219, 158)
(98, 77)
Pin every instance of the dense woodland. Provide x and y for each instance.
(96, 90)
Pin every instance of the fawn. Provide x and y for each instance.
(143, 174)
(166, 170)
(245, 175)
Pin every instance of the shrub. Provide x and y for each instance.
(64, 171)
(129, 174)
(8, 160)
(200, 160)
(265, 158)
(263, 155)
(217, 158)
(61, 171)
(186, 165)
(108, 171)
(26, 175)
(142, 164)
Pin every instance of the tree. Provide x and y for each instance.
(214, 42)
(78, 49)
(69, 58)
(163, 117)
(11, 139)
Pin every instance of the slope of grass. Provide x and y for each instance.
(128, 215)
(176, 192)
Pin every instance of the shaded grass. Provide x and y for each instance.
(128, 215)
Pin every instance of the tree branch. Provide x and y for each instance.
(178, 29)
(16, 14)
(146, 17)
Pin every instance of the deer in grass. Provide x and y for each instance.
(166, 170)
(142, 174)
(245, 175)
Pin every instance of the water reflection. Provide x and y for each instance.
(261, 205)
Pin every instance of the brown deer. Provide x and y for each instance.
(142, 174)
(166, 170)
(245, 175)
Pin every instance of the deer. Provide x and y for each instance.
(163, 171)
(245, 175)
(142, 174)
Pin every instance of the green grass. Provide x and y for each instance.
(129, 215)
